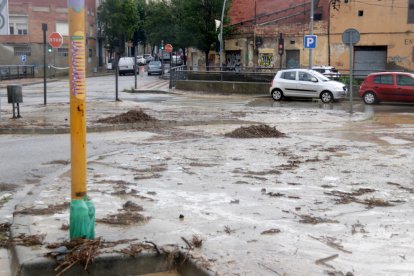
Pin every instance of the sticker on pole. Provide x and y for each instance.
(309, 41)
(77, 64)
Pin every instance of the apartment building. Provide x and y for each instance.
(24, 35)
(385, 27)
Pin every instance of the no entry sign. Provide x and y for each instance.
(55, 40)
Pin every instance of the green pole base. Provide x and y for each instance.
(82, 219)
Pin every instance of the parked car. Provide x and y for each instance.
(176, 61)
(328, 71)
(387, 86)
(141, 60)
(148, 58)
(306, 83)
(126, 65)
(154, 67)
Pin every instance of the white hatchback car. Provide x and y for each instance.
(305, 83)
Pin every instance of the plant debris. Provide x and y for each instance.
(270, 231)
(255, 131)
(132, 116)
(4, 234)
(315, 220)
(131, 206)
(30, 240)
(124, 218)
(81, 251)
(50, 210)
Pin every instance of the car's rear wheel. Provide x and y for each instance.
(326, 97)
(370, 98)
(277, 94)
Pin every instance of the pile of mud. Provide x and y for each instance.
(132, 116)
(255, 131)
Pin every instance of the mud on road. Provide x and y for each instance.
(311, 192)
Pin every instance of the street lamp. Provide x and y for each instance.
(221, 34)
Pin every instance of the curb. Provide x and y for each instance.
(130, 126)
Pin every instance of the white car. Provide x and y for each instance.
(306, 83)
(126, 65)
(141, 60)
(328, 71)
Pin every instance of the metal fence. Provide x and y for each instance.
(216, 73)
(8, 72)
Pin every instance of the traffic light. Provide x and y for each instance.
(281, 47)
(162, 45)
(49, 49)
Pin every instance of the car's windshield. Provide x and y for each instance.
(319, 75)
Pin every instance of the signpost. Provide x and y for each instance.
(350, 37)
(55, 40)
(310, 41)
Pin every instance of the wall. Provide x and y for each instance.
(382, 24)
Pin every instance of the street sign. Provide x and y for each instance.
(310, 41)
(55, 40)
(23, 58)
(168, 48)
(350, 36)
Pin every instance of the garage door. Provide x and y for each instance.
(369, 59)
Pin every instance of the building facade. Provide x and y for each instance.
(385, 27)
(23, 45)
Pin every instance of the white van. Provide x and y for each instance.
(126, 65)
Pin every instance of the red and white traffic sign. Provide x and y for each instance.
(55, 40)
(168, 48)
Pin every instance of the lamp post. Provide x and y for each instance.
(311, 33)
(221, 35)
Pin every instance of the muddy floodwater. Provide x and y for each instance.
(265, 190)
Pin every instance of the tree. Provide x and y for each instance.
(200, 16)
(118, 20)
(158, 23)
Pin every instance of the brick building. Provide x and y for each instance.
(25, 35)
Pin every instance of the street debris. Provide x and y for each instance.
(132, 116)
(50, 210)
(270, 231)
(255, 131)
(4, 234)
(315, 220)
(124, 218)
(132, 207)
(327, 259)
(77, 251)
(30, 240)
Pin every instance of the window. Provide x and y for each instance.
(289, 75)
(62, 28)
(63, 52)
(410, 12)
(360, 13)
(383, 79)
(18, 24)
(303, 76)
(22, 51)
(404, 80)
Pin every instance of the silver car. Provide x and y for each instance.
(305, 83)
(154, 67)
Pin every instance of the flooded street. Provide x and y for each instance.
(332, 195)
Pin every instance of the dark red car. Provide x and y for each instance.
(387, 86)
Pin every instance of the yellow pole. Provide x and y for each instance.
(82, 211)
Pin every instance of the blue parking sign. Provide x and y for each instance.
(309, 41)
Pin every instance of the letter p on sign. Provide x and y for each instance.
(309, 41)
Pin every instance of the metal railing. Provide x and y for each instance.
(8, 72)
(215, 73)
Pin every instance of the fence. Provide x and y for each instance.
(8, 72)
